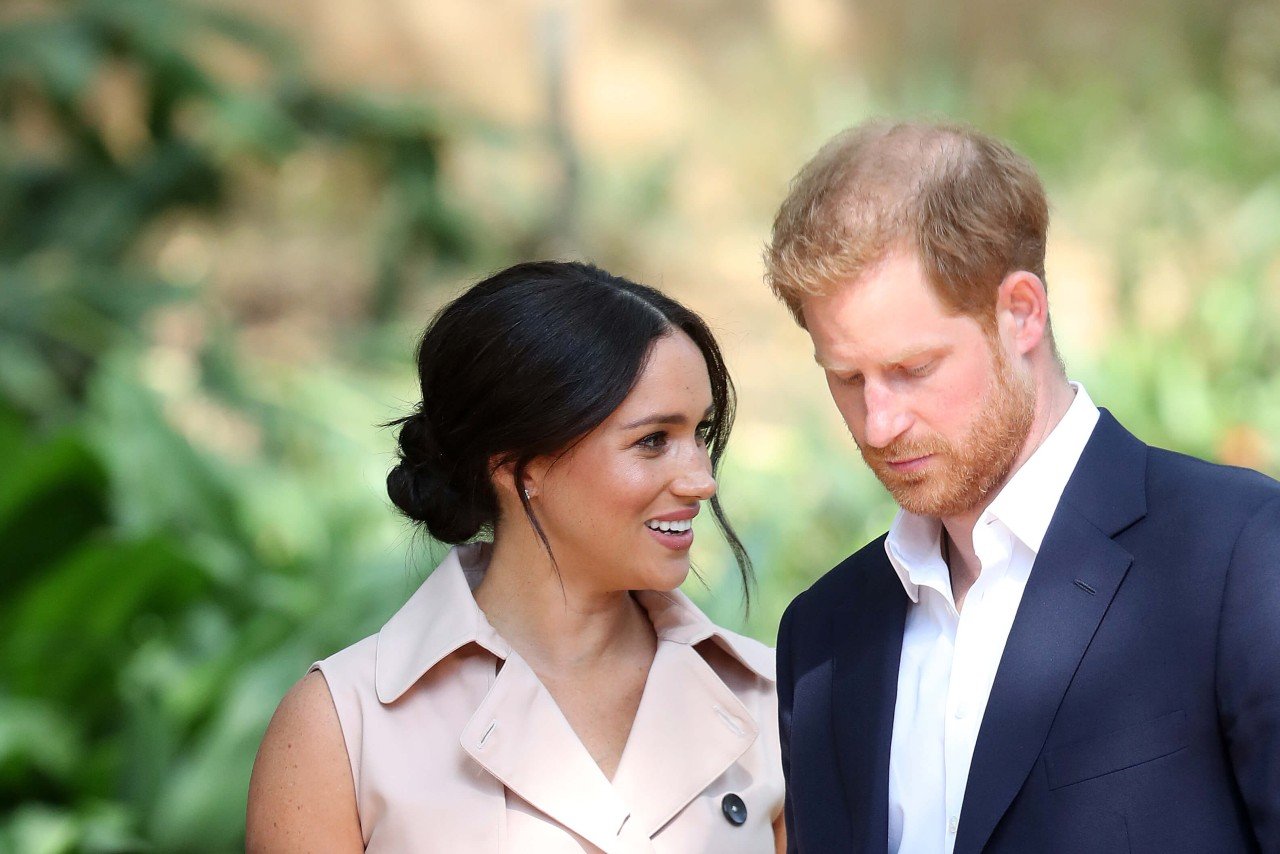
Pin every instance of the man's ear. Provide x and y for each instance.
(1022, 311)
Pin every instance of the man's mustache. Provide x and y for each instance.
(902, 449)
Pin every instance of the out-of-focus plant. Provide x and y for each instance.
(157, 596)
(182, 531)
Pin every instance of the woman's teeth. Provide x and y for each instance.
(677, 527)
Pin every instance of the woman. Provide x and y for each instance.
(548, 688)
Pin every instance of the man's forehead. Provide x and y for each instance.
(882, 328)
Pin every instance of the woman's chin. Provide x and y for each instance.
(667, 577)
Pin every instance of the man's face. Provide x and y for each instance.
(937, 409)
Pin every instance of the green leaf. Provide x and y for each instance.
(53, 495)
(64, 639)
(37, 742)
(61, 52)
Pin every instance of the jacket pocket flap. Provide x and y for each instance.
(1084, 760)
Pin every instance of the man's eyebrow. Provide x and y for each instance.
(669, 418)
(898, 358)
(827, 366)
(916, 352)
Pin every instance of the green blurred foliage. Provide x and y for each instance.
(159, 597)
(161, 592)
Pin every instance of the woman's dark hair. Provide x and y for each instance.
(522, 365)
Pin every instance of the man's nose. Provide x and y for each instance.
(887, 416)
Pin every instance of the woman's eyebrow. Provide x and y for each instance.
(672, 418)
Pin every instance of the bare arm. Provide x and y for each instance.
(780, 834)
(301, 796)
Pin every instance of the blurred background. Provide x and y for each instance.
(223, 225)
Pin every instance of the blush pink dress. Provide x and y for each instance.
(455, 746)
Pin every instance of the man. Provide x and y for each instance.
(1068, 640)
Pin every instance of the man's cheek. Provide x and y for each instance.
(855, 418)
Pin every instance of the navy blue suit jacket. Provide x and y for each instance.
(1136, 707)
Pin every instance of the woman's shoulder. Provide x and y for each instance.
(301, 793)
(350, 668)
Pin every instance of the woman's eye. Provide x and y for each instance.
(920, 370)
(704, 431)
(653, 442)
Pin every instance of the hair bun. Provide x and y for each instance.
(426, 486)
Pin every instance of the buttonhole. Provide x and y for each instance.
(488, 733)
(1086, 588)
(729, 721)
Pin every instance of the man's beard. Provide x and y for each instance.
(964, 475)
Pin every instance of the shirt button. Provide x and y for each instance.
(953, 824)
(961, 712)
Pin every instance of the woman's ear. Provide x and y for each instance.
(503, 476)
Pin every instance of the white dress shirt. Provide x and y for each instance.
(949, 658)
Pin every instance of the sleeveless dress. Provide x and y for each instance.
(455, 746)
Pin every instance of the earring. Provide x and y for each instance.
(526, 493)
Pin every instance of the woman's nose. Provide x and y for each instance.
(696, 480)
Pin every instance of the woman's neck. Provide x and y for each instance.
(553, 619)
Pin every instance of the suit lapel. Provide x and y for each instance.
(867, 638)
(1076, 574)
(1055, 623)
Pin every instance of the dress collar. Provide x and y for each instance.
(442, 616)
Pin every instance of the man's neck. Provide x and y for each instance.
(957, 531)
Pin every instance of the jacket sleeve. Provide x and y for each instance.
(786, 691)
(1248, 670)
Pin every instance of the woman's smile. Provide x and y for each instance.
(673, 530)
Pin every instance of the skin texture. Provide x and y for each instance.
(573, 621)
(943, 411)
(301, 796)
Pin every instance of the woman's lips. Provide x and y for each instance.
(676, 541)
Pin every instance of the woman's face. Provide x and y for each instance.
(618, 507)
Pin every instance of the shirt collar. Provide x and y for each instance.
(1027, 502)
(1025, 505)
(442, 616)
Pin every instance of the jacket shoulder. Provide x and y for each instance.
(868, 564)
(1174, 478)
